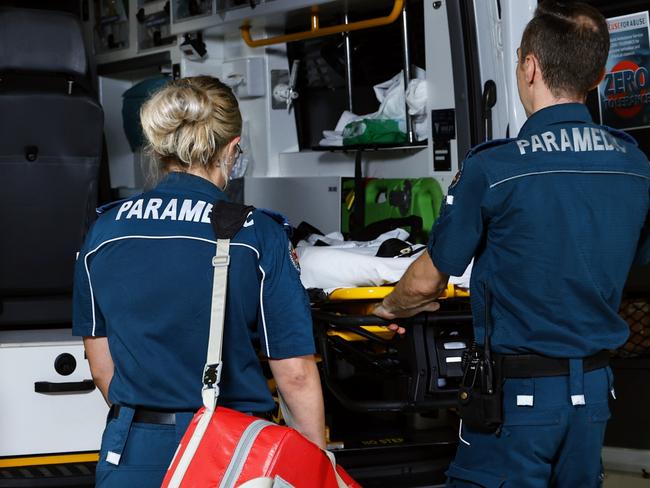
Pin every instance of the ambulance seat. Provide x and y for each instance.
(51, 130)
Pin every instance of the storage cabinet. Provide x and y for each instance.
(187, 10)
(125, 29)
(154, 25)
(111, 25)
(192, 15)
(49, 403)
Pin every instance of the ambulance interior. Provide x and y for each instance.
(432, 78)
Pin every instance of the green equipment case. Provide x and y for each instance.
(394, 199)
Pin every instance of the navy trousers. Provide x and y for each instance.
(552, 435)
(137, 455)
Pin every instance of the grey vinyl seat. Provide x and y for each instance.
(51, 132)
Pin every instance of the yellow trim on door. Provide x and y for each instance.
(17, 462)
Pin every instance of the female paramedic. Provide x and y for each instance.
(143, 284)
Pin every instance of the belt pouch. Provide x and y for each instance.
(480, 395)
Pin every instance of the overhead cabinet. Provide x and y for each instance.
(125, 29)
(192, 15)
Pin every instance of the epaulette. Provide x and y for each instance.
(487, 145)
(106, 207)
(621, 135)
(279, 218)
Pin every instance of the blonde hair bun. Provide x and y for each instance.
(189, 121)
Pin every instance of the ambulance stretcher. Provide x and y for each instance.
(388, 398)
(366, 367)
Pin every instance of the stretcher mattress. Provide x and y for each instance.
(349, 264)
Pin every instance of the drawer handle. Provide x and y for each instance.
(67, 387)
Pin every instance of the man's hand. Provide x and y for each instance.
(381, 311)
(416, 292)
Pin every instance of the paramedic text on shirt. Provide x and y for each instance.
(553, 219)
(143, 288)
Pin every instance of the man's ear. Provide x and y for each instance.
(531, 68)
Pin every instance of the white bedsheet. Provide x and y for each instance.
(349, 264)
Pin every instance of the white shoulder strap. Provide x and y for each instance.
(212, 369)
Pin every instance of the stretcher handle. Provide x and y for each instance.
(365, 320)
(317, 31)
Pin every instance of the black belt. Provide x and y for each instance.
(533, 365)
(147, 415)
(164, 417)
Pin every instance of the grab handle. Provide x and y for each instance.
(317, 31)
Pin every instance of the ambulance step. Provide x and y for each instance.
(49, 475)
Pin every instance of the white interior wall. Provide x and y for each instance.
(270, 131)
(514, 17)
(440, 80)
(491, 60)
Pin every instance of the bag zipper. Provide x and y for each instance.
(241, 453)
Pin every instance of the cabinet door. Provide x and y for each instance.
(111, 25)
(188, 10)
(66, 415)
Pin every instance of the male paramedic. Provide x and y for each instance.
(553, 219)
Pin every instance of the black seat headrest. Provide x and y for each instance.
(41, 41)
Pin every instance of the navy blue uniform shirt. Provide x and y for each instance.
(554, 220)
(144, 280)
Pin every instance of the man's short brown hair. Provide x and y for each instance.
(571, 42)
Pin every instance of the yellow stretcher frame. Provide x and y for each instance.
(376, 293)
(380, 292)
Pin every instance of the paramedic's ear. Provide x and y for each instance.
(231, 149)
(530, 66)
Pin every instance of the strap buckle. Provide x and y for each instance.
(212, 375)
(210, 391)
(220, 261)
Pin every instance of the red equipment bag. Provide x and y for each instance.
(223, 448)
(238, 450)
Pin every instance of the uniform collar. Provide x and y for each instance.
(176, 180)
(556, 114)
